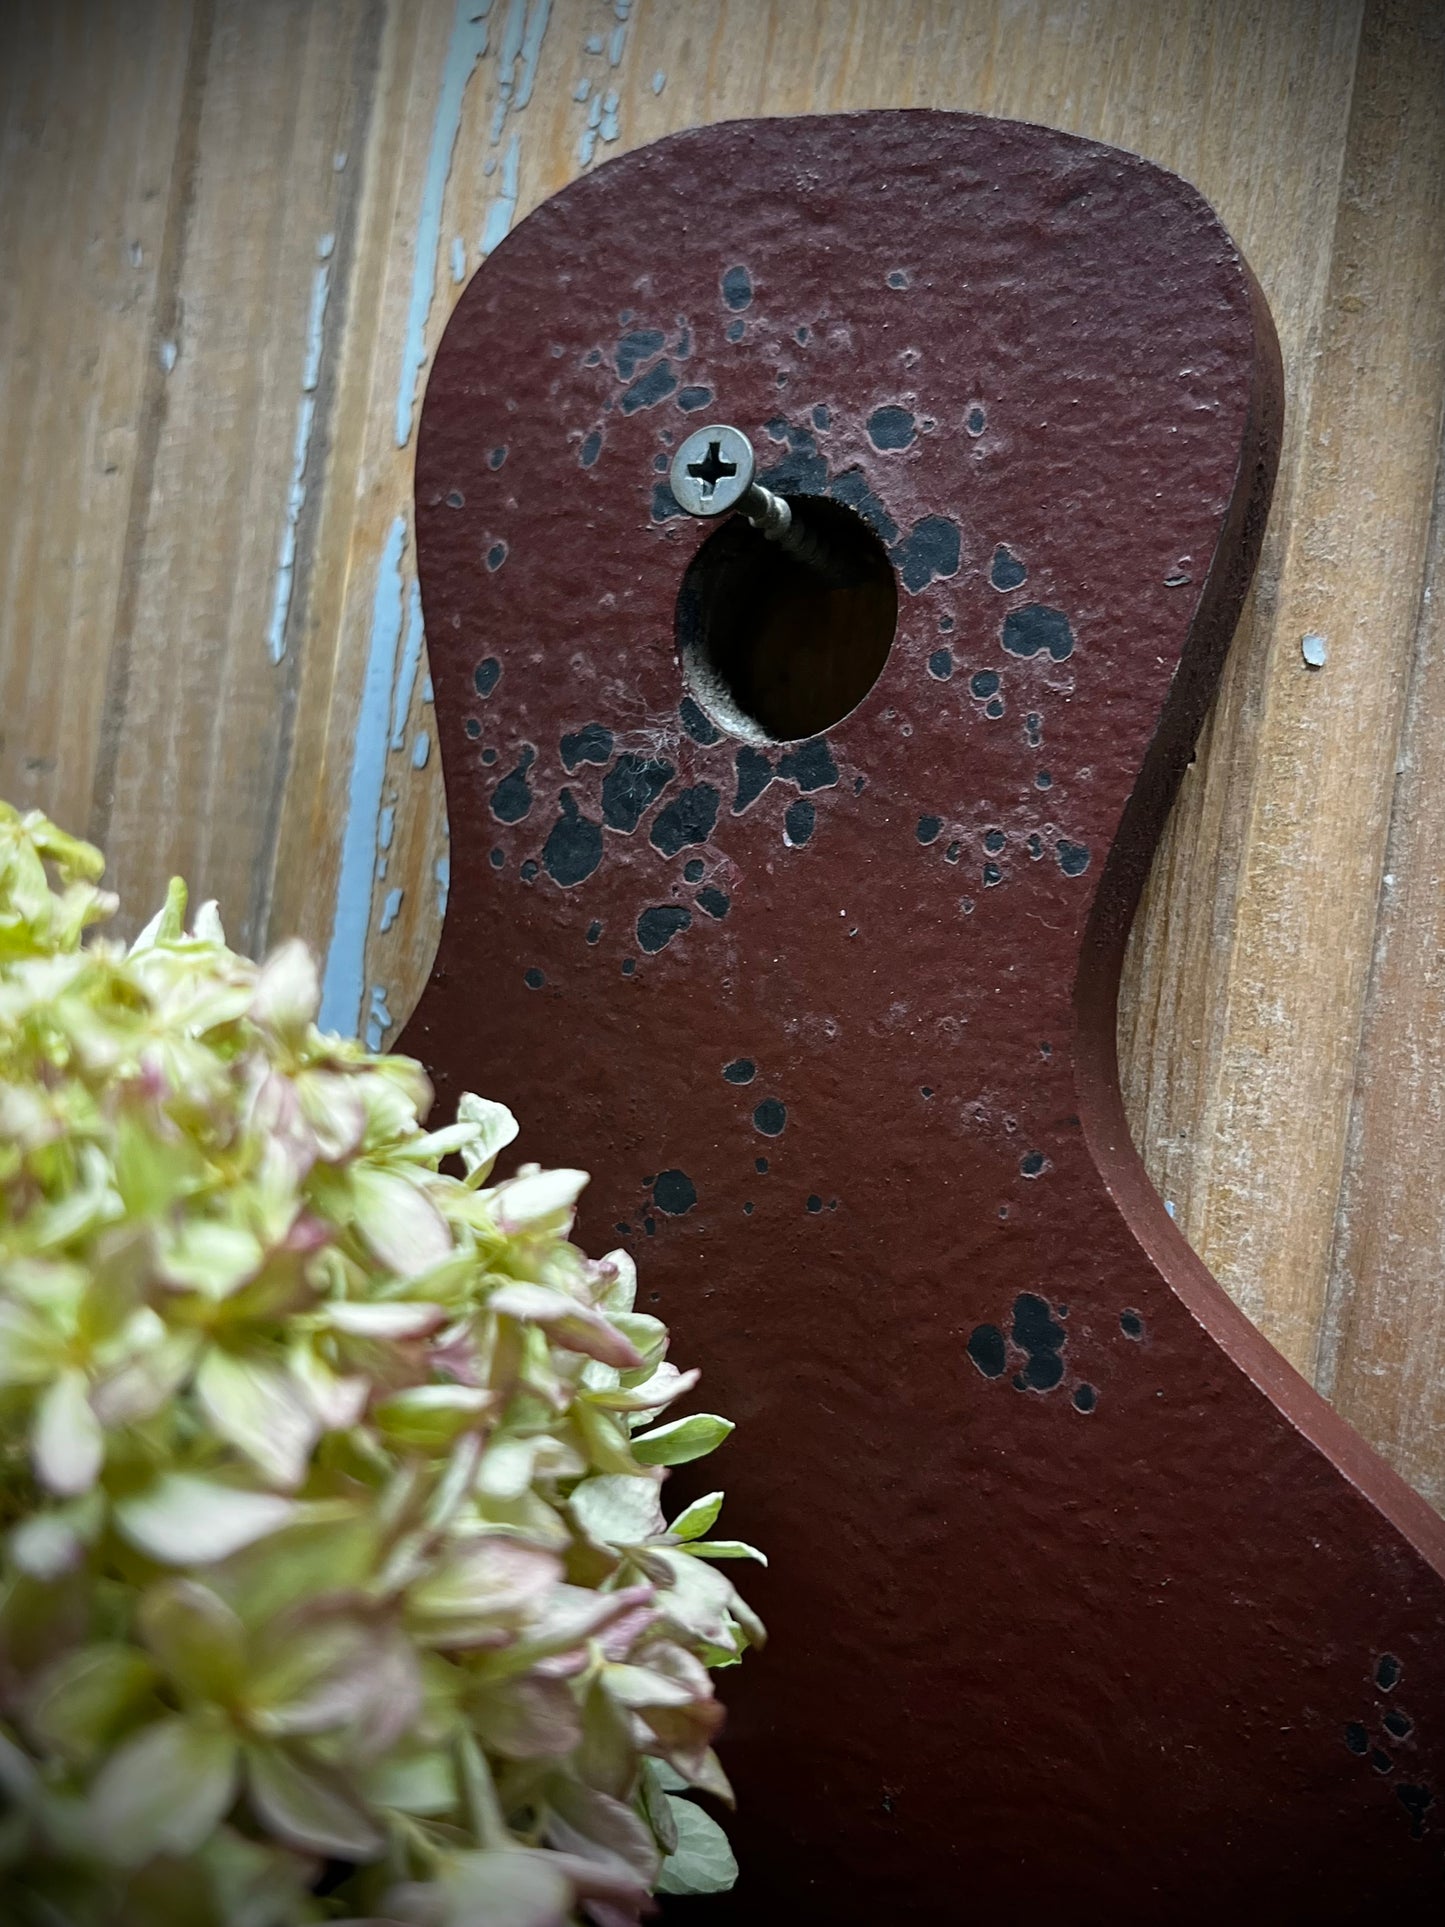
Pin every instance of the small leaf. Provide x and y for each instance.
(257, 1407)
(682, 1441)
(492, 1129)
(594, 1826)
(67, 1443)
(404, 1229)
(182, 1520)
(725, 1549)
(538, 1201)
(288, 990)
(698, 1518)
(618, 1511)
(196, 1637)
(164, 1791)
(703, 1862)
(309, 1806)
(567, 1322)
(393, 1318)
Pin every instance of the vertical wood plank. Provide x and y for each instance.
(92, 126)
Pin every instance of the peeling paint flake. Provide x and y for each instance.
(410, 663)
(300, 451)
(390, 910)
(503, 210)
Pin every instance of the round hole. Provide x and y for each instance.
(774, 649)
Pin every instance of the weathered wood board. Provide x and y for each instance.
(232, 235)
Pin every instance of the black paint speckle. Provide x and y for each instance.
(591, 448)
(1415, 1799)
(635, 348)
(489, 755)
(529, 870)
(821, 418)
(1043, 781)
(994, 708)
(590, 744)
(898, 278)
(496, 556)
(689, 400)
(629, 964)
(928, 829)
(1036, 846)
(1085, 1398)
(1399, 1724)
(496, 858)
(851, 488)
(486, 676)
(983, 684)
(815, 1203)
(594, 931)
(940, 664)
(688, 818)
(810, 765)
(992, 875)
(473, 727)
(664, 503)
(953, 852)
(771, 1116)
(1073, 857)
(512, 798)
(975, 421)
(994, 842)
(891, 427)
(648, 390)
(1031, 1164)
(1357, 1739)
(1388, 1672)
(1006, 571)
(799, 821)
(657, 927)
(573, 848)
(1036, 1334)
(693, 869)
(1035, 629)
(455, 499)
(674, 1192)
(715, 902)
(986, 1349)
(930, 551)
(534, 979)
(736, 330)
(742, 1070)
(697, 724)
(755, 773)
(1381, 1761)
(737, 289)
(1131, 1324)
(630, 788)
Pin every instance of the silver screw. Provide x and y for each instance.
(712, 474)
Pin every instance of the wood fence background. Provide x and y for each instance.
(231, 232)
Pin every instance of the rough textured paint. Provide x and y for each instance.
(301, 449)
(343, 978)
(410, 662)
(1166, 1545)
(503, 209)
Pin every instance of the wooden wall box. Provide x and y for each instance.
(1080, 1598)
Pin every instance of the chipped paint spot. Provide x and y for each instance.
(1314, 650)
(503, 210)
(300, 450)
(406, 673)
(169, 354)
(421, 749)
(465, 48)
(379, 1019)
(459, 258)
(659, 81)
(343, 978)
(390, 910)
(442, 871)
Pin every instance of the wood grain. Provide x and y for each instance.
(195, 446)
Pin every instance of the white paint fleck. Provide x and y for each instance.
(326, 247)
(390, 910)
(421, 749)
(1169, 1207)
(608, 129)
(385, 827)
(169, 354)
(615, 43)
(489, 167)
(300, 452)
(659, 81)
(500, 213)
(379, 1019)
(338, 162)
(594, 112)
(442, 871)
(1314, 650)
(580, 92)
(586, 146)
(427, 693)
(594, 43)
(459, 258)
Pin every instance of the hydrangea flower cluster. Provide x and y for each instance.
(335, 1580)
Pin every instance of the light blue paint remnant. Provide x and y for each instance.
(594, 112)
(390, 910)
(406, 674)
(467, 45)
(586, 147)
(379, 1019)
(608, 129)
(459, 258)
(338, 162)
(499, 214)
(385, 827)
(169, 354)
(427, 692)
(594, 43)
(659, 81)
(531, 49)
(442, 871)
(343, 978)
(579, 92)
(622, 8)
(616, 41)
(421, 749)
(300, 450)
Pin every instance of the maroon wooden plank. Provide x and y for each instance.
(1080, 1597)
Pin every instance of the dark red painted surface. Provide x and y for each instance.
(1025, 1657)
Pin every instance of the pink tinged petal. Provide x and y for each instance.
(500, 1889)
(196, 1637)
(308, 1806)
(528, 1718)
(573, 1615)
(164, 1791)
(337, 1403)
(596, 1827)
(538, 1201)
(665, 1384)
(336, 1673)
(400, 1318)
(620, 1275)
(332, 1106)
(400, 1224)
(578, 1327)
(257, 1407)
(491, 1127)
(288, 990)
(139, 1388)
(615, 1510)
(483, 1590)
(67, 1444)
(182, 1520)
